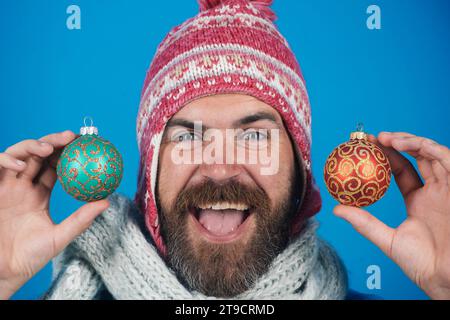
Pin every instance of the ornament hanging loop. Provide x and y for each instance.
(360, 127)
(88, 118)
(88, 129)
(359, 134)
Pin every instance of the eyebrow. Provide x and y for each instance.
(246, 120)
(181, 123)
(256, 117)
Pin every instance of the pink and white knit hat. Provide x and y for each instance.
(231, 46)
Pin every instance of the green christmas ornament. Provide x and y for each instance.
(90, 168)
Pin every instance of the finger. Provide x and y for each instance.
(390, 135)
(47, 175)
(386, 138)
(424, 164)
(60, 139)
(438, 152)
(404, 172)
(77, 223)
(442, 176)
(33, 152)
(8, 162)
(430, 150)
(27, 149)
(368, 226)
(35, 162)
(441, 165)
(412, 145)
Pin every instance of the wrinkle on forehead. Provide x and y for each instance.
(230, 107)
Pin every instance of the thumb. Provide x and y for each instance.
(368, 226)
(77, 223)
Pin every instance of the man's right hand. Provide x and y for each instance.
(28, 237)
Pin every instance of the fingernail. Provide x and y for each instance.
(44, 144)
(20, 162)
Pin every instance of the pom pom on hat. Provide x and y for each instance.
(208, 4)
(263, 6)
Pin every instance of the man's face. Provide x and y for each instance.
(223, 222)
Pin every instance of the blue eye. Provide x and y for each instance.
(185, 137)
(254, 135)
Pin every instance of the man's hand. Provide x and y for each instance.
(28, 237)
(421, 244)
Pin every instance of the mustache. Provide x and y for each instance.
(232, 191)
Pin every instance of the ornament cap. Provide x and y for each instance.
(359, 134)
(88, 129)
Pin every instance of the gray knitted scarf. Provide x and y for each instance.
(116, 256)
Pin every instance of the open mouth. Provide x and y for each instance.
(221, 221)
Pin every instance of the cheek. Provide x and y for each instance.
(172, 177)
(276, 185)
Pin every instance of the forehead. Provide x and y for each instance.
(222, 109)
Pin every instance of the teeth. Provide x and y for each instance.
(225, 206)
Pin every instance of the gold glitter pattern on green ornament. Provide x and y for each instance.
(90, 168)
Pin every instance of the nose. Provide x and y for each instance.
(220, 173)
(219, 167)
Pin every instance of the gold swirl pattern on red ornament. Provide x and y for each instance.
(357, 173)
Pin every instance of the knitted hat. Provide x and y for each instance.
(231, 46)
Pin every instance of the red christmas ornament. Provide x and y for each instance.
(357, 173)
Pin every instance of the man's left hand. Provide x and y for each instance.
(421, 244)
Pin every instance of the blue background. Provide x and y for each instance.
(393, 79)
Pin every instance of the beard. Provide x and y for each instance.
(226, 269)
